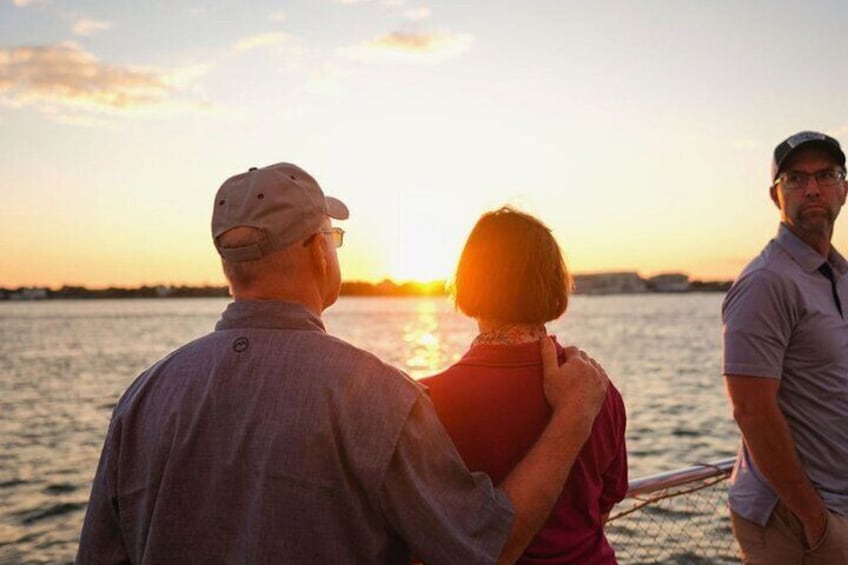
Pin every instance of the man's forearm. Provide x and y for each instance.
(535, 484)
(770, 443)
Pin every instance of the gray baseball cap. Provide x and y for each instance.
(282, 200)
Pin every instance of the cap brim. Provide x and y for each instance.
(336, 209)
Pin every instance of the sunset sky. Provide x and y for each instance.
(639, 131)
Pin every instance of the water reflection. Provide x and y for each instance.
(424, 353)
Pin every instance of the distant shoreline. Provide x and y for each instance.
(594, 284)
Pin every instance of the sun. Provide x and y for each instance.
(423, 250)
(418, 240)
(417, 259)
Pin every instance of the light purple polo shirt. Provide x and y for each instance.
(269, 441)
(781, 322)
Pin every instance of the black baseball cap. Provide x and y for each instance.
(805, 140)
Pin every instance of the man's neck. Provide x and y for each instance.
(818, 240)
(310, 298)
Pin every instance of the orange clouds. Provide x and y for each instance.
(402, 46)
(70, 84)
(67, 73)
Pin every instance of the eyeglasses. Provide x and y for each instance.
(337, 233)
(338, 236)
(796, 180)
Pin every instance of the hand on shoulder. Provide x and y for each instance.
(577, 387)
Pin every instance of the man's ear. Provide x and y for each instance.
(318, 254)
(773, 194)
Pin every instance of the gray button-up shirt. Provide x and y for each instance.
(269, 441)
(781, 322)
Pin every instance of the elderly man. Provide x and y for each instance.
(269, 441)
(786, 369)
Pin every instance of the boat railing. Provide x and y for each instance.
(677, 516)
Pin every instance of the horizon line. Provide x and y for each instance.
(371, 282)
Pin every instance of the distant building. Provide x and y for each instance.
(669, 282)
(609, 283)
(28, 294)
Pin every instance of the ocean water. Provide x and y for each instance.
(63, 365)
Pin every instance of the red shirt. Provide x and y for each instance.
(493, 406)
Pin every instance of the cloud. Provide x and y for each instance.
(63, 78)
(288, 50)
(24, 3)
(278, 17)
(186, 76)
(258, 41)
(87, 27)
(420, 13)
(409, 47)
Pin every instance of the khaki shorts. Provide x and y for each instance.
(782, 541)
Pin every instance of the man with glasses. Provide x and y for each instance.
(786, 369)
(269, 441)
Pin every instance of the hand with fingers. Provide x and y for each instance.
(578, 386)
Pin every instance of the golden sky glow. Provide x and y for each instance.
(640, 132)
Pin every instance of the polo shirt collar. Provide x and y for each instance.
(269, 314)
(806, 256)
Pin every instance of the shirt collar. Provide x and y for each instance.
(511, 335)
(269, 314)
(519, 354)
(806, 256)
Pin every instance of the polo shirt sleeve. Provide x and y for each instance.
(757, 318)
(444, 512)
(615, 477)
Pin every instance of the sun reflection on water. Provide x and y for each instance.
(424, 353)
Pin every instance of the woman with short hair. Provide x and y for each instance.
(512, 279)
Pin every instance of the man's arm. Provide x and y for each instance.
(576, 391)
(101, 540)
(770, 443)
